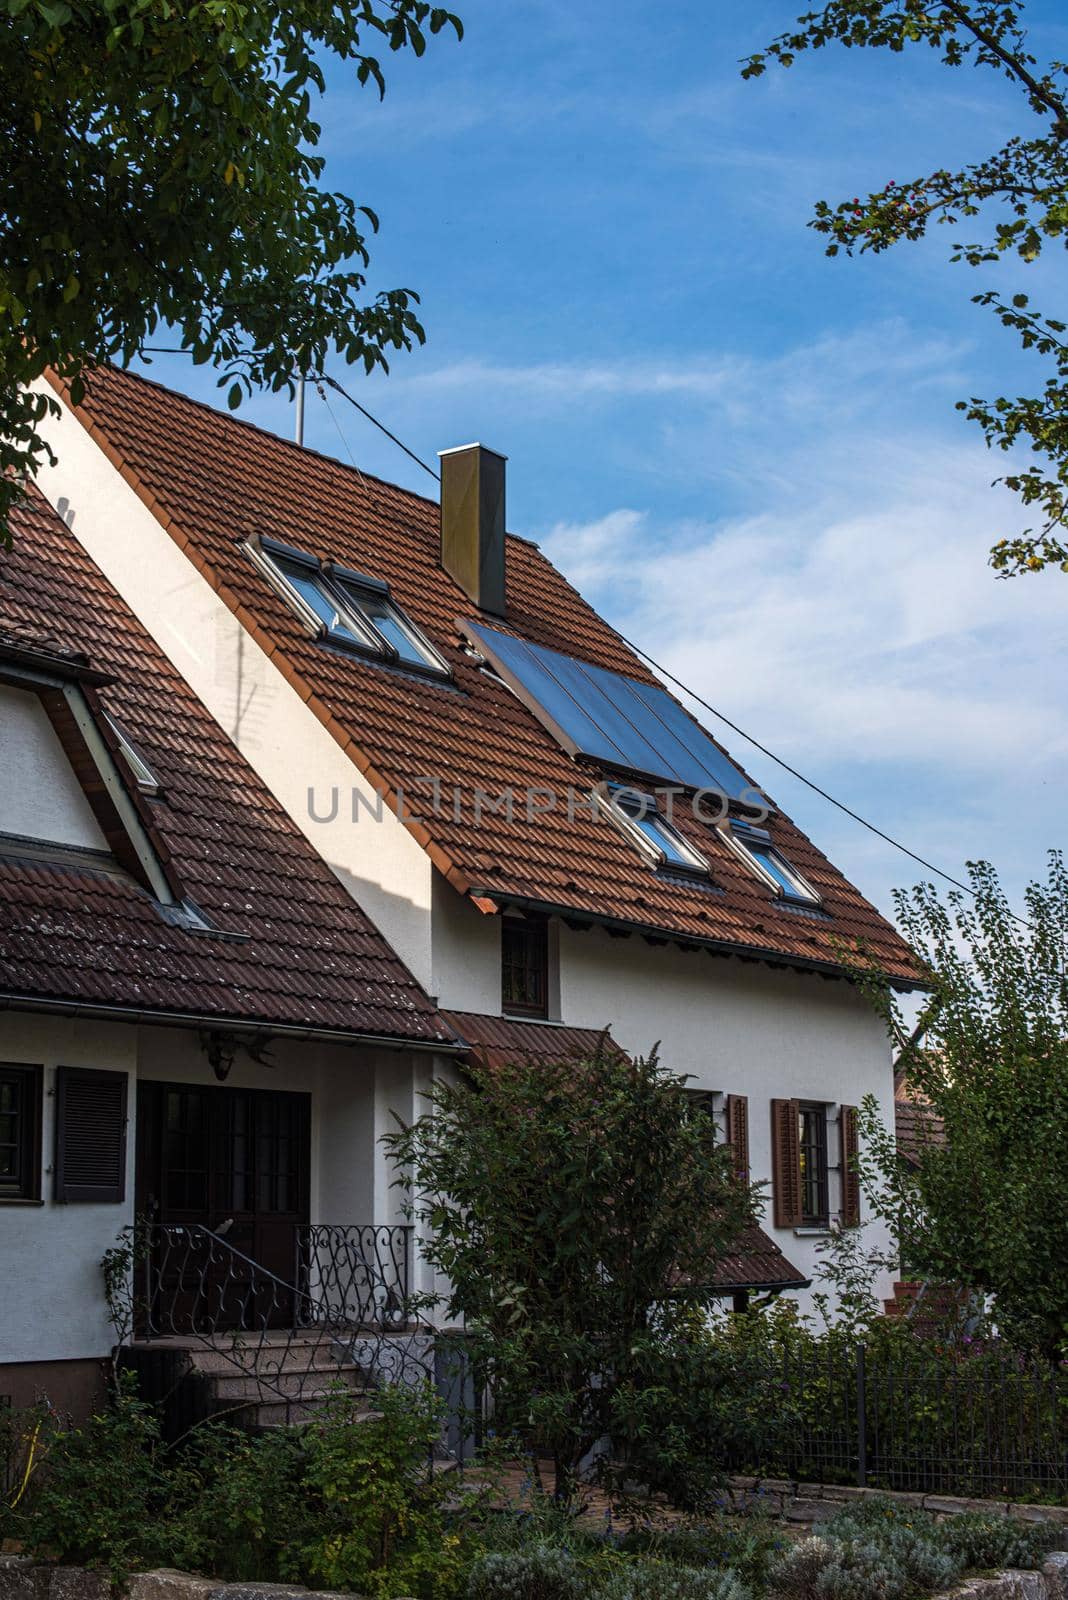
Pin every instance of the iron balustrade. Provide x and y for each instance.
(348, 1303)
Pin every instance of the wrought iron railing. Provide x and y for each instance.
(285, 1343)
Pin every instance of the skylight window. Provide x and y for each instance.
(755, 848)
(640, 818)
(346, 607)
(144, 777)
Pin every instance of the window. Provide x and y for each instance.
(525, 966)
(639, 816)
(755, 848)
(144, 777)
(386, 619)
(812, 1140)
(348, 608)
(20, 1132)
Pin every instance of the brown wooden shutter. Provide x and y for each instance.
(90, 1135)
(737, 1121)
(849, 1149)
(786, 1163)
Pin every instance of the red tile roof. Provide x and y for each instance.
(306, 956)
(915, 1123)
(214, 481)
(496, 1041)
(756, 1262)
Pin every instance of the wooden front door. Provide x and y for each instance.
(235, 1161)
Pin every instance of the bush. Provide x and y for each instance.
(983, 1541)
(745, 1545)
(660, 1580)
(795, 1572)
(542, 1572)
(95, 1498)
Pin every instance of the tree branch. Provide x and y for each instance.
(1038, 91)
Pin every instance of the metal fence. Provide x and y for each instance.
(989, 1422)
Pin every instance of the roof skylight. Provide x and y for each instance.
(346, 607)
(640, 818)
(753, 845)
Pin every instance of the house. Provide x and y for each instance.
(543, 834)
(198, 1023)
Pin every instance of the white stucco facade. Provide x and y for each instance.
(40, 797)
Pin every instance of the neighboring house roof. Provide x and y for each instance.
(496, 1041)
(214, 482)
(916, 1125)
(293, 949)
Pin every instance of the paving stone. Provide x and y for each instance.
(798, 1510)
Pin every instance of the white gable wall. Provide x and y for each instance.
(284, 742)
(40, 797)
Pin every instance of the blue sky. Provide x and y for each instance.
(744, 453)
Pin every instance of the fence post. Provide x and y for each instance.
(862, 1418)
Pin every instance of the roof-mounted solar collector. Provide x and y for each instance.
(620, 722)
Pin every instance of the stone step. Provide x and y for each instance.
(312, 1384)
(283, 1414)
(271, 1358)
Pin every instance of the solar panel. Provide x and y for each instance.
(610, 718)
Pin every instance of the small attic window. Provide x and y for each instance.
(347, 608)
(640, 818)
(144, 777)
(753, 845)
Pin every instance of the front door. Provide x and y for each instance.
(235, 1161)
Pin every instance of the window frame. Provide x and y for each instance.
(536, 930)
(741, 837)
(814, 1113)
(693, 864)
(143, 775)
(29, 1076)
(341, 588)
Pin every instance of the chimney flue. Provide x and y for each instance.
(472, 522)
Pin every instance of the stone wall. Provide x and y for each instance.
(815, 1502)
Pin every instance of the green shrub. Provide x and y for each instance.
(983, 1541)
(878, 1513)
(540, 1572)
(794, 1573)
(745, 1545)
(660, 1580)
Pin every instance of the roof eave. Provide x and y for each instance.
(722, 947)
(258, 1027)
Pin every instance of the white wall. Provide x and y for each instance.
(377, 860)
(40, 797)
(739, 1028)
(466, 952)
(52, 1307)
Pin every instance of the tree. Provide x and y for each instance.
(158, 170)
(577, 1211)
(1023, 188)
(984, 1203)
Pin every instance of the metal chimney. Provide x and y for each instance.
(472, 522)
